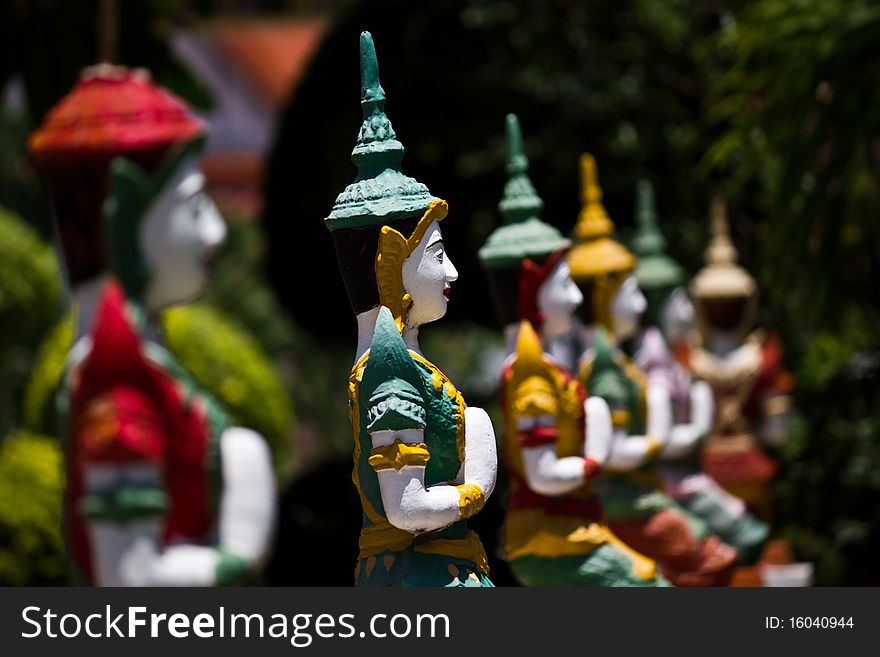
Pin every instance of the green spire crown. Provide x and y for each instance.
(655, 269)
(380, 193)
(523, 234)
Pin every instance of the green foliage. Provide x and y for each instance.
(800, 106)
(31, 490)
(40, 414)
(30, 284)
(30, 288)
(231, 364)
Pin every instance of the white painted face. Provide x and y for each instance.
(627, 307)
(179, 235)
(677, 315)
(427, 274)
(558, 298)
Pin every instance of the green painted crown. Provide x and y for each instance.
(380, 193)
(523, 234)
(655, 269)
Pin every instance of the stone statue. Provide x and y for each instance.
(424, 461)
(669, 316)
(745, 370)
(161, 490)
(556, 440)
(636, 507)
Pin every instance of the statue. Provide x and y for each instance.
(161, 490)
(556, 439)
(424, 461)
(669, 317)
(744, 368)
(636, 507)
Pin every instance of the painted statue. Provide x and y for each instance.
(667, 321)
(636, 507)
(556, 439)
(424, 462)
(161, 489)
(744, 367)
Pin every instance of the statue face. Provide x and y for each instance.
(558, 299)
(677, 315)
(627, 307)
(427, 274)
(179, 234)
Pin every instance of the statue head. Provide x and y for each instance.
(111, 112)
(162, 229)
(627, 308)
(599, 264)
(725, 295)
(385, 225)
(522, 237)
(548, 296)
(677, 315)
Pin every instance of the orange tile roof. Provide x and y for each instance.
(274, 54)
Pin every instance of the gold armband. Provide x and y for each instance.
(655, 445)
(620, 418)
(470, 499)
(399, 454)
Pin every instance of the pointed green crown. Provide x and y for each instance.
(380, 193)
(655, 269)
(523, 234)
(391, 382)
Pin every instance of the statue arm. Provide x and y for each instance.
(551, 475)
(246, 523)
(399, 458)
(631, 451)
(684, 437)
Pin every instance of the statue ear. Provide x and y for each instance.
(124, 210)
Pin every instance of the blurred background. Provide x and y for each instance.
(774, 104)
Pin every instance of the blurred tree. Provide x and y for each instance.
(31, 488)
(800, 104)
(30, 292)
(798, 116)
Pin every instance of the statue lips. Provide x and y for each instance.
(446, 291)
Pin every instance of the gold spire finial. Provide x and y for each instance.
(722, 277)
(721, 249)
(593, 220)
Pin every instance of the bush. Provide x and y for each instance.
(31, 490)
(30, 284)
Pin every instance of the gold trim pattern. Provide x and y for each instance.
(470, 499)
(469, 548)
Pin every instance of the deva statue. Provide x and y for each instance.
(161, 490)
(424, 461)
(665, 326)
(636, 507)
(743, 366)
(556, 440)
